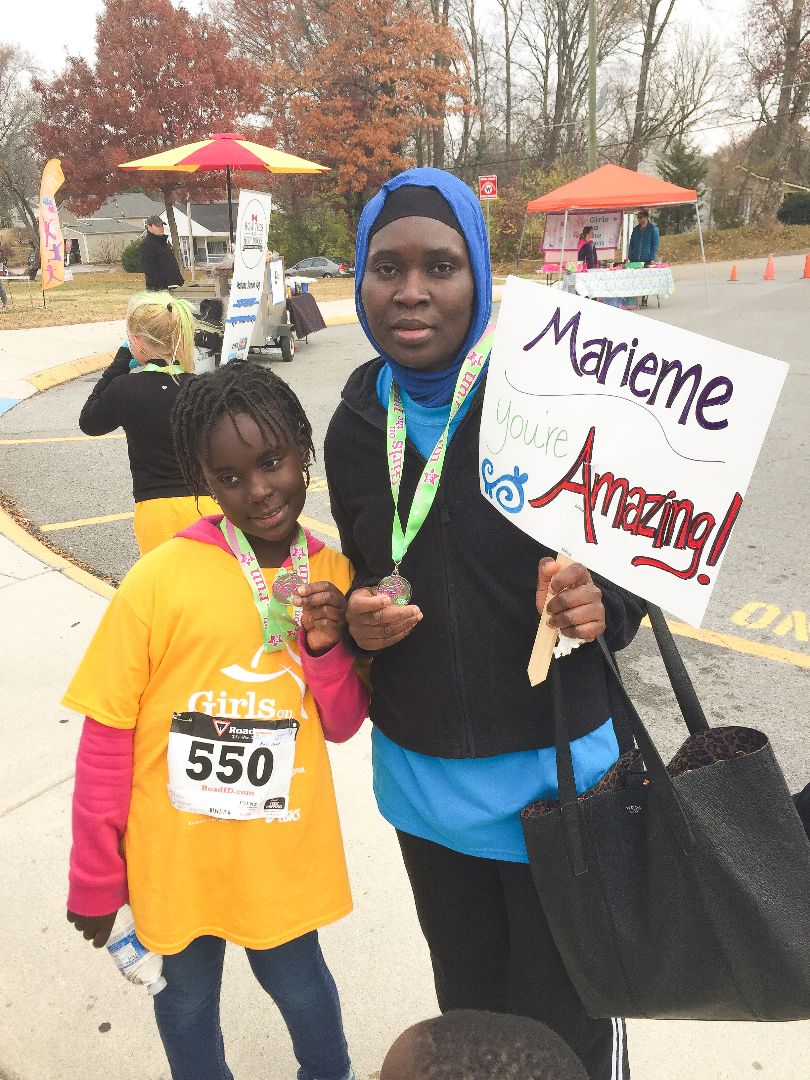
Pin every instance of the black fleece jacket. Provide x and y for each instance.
(158, 262)
(141, 404)
(457, 686)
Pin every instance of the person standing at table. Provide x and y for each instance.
(643, 239)
(461, 741)
(586, 249)
(157, 260)
(643, 242)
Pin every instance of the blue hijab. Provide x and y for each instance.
(433, 388)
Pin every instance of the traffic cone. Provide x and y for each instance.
(733, 275)
(770, 270)
(806, 273)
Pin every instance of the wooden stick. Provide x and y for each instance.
(546, 638)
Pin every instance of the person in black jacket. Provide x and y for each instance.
(157, 260)
(586, 251)
(461, 741)
(137, 393)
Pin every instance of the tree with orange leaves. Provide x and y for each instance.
(162, 77)
(350, 82)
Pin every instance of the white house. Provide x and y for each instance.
(209, 231)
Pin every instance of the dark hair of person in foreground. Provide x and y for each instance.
(470, 1045)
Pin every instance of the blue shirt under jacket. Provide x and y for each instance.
(471, 805)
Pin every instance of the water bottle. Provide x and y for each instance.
(134, 960)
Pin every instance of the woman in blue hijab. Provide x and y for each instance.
(446, 598)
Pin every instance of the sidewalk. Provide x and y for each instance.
(68, 1014)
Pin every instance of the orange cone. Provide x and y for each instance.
(733, 275)
(806, 273)
(770, 270)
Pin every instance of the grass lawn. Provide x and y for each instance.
(101, 297)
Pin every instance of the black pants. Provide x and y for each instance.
(491, 949)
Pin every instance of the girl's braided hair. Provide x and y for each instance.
(240, 387)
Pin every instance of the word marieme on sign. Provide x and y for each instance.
(623, 442)
(645, 376)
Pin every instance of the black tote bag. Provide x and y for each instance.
(679, 891)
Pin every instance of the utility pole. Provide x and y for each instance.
(591, 85)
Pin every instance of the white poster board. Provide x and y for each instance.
(623, 442)
(607, 230)
(249, 256)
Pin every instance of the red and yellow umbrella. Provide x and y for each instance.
(227, 151)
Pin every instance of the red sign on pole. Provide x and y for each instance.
(487, 187)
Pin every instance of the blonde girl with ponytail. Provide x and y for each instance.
(137, 393)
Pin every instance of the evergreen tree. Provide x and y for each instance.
(685, 166)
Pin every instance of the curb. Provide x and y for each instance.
(62, 373)
(21, 538)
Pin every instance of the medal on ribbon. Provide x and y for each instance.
(395, 585)
(276, 619)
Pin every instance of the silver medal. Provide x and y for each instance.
(397, 587)
(285, 585)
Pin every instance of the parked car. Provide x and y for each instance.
(323, 267)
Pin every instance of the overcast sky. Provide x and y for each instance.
(49, 29)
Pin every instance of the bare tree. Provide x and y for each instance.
(480, 119)
(511, 19)
(554, 67)
(653, 16)
(775, 56)
(684, 92)
(20, 165)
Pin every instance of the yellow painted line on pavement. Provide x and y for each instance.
(707, 637)
(22, 539)
(63, 438)
(318, 526)
(737, 644)
(60, 525)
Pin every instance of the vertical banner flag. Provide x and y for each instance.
(51, 242)
(248, 282)
(623, 442)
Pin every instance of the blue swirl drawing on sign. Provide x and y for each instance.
(507, 491)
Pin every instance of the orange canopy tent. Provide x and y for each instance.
(611, 187)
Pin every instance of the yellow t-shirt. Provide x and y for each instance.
(182, 635)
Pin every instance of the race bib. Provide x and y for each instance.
(234, 769)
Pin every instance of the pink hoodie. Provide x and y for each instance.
(103, 787)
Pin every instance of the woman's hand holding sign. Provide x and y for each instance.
(575, 605)
(375, 622)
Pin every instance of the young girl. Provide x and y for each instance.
(586, 250)
(160, 332)
(447, 597)
(208, 689)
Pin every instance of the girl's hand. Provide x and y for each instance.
(95, 928)
(575, 607)
(375, 621)
(323, 614)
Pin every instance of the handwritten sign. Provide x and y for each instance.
(607, 229)
(623, 442)
(248, 282)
